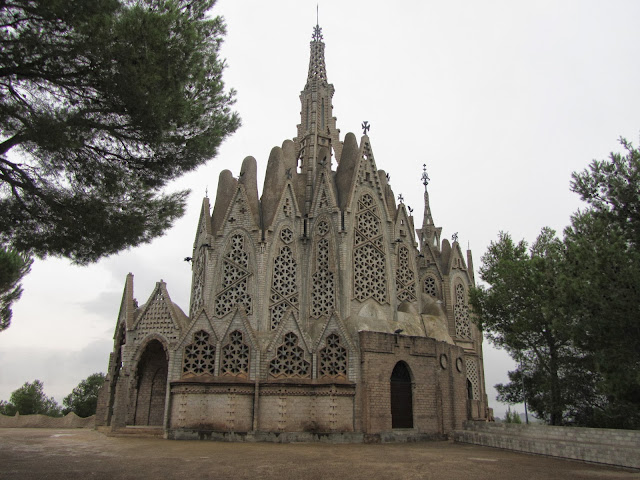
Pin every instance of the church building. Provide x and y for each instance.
(317, 310)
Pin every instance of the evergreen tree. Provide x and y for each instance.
(83, 400)
(524, 312)
(30, 399)
(103, 102)
(13, 267)
(603, 281)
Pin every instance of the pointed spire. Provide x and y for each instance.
(317, 67)
(429, 234)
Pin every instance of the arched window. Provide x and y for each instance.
(333, 358)
(461, 313)
(289, 360)
(235, 278)
(235, 356)
(430, 286)
(401, 397)
(405, 278)
(370, 271)
(199, 356)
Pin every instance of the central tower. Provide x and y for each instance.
(317, 126)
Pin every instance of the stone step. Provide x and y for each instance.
(137, 431)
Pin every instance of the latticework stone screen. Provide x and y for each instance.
(235, 278)
(370, 273)
(235, 356)
(289, 360)
(461, 313)
(405, 278)
(199, 356)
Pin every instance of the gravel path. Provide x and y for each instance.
(42, 453)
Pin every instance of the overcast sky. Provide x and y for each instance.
(501, 99)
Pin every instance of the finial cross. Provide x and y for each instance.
(454, 237)
(425, 177)
(401, 199)
(365, 127)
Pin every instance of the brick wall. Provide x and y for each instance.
(439, 396)
(608, 446)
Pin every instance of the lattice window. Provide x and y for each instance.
(333, 358)
(199, 356)
(284, 286)
(472, 375)
(235, 356)
(430, 286)
(461, 313)
(287, 209)
(197, 288)
(323, 228)
(235, 280)
(286, 235)
(289, 360)
(323, 293)
(405, 278)
(370, 273)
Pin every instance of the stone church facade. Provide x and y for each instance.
(314, 310)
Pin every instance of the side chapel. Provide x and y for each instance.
(313, 311)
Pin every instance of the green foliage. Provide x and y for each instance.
(603, 282)
(104, 102)
(512, 417)
(30, 399)
(524, 313)
(567, 311)
(13, 267)
(83, 400)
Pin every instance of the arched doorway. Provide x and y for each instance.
(401, 399)
(152, 385)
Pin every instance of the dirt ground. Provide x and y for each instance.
(41, 453)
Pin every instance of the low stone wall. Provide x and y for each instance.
(71, 420)
(597, 445)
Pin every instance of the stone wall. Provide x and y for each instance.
(597, 445)
(71, 420)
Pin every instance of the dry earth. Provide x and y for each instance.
(41, 453)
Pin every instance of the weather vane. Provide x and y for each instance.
(425, 177)
(365, 127)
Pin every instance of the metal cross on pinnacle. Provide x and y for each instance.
(317, 34)
(401, 199)
(365, 127)
(454, 237)
(425, 177)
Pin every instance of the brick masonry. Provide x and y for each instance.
(598, 445)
